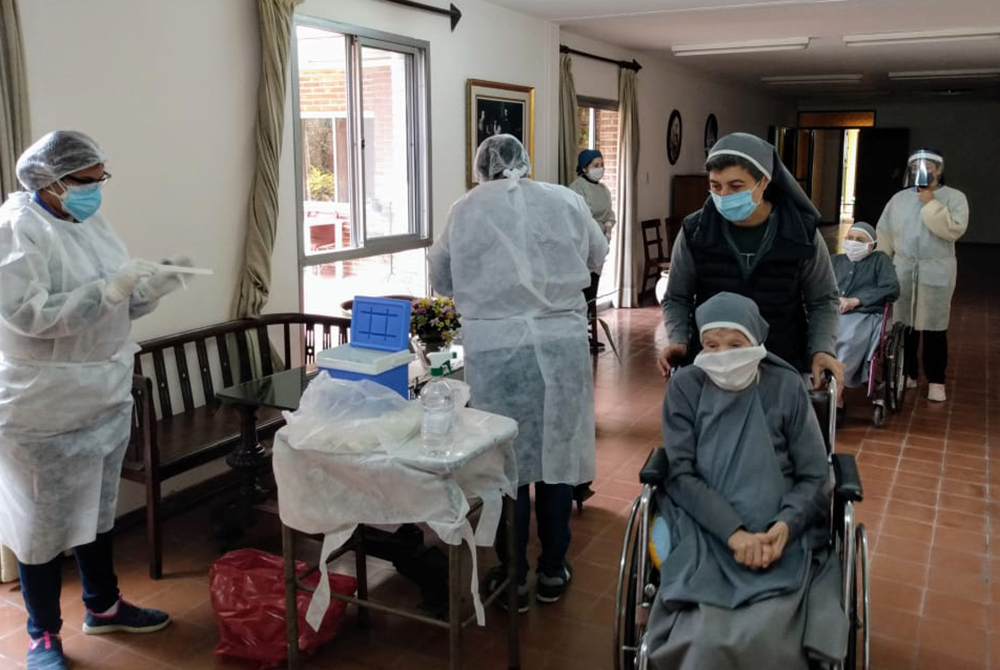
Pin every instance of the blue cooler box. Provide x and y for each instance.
(380, 335)
(388, 368)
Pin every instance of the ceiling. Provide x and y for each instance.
(656, 25)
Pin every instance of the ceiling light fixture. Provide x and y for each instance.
(920, 37)
(750, 46)
(806, 79)
(919, 75)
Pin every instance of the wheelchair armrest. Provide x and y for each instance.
(654, 471)
(846, 478)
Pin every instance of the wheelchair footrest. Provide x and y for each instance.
(847, 479)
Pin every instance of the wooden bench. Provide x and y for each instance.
(170, 437)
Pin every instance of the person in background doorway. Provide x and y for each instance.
(867, 281)
(756, 236)
(516, 255)
(918, 230)
(590, 168)
(68, 295)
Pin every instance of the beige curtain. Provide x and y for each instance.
(254, 285)
(15, 136)
(569, 133)
(628, 243)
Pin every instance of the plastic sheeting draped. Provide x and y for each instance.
(332, 493)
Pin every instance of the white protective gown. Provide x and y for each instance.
(516, 256)
(920, 239)
(65, 379)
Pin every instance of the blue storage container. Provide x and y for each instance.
(380, 323)
(390, 369)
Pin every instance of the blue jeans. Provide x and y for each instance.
(41, 585)
(553, 506)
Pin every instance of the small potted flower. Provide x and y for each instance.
(434, 321)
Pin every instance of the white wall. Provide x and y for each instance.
(168, 89)
(966, 131)
(663, 87)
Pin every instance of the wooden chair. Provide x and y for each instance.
(657, 257)
(170, 438)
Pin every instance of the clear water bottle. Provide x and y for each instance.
(438, 405)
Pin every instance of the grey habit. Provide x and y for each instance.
(872, 280)
(735, 464)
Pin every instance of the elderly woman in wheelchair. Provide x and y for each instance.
(740, 526)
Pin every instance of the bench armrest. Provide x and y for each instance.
(846, 478)
(656, 468)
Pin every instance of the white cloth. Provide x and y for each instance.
(921, 241)
(598, 199)
(65, 379)
(516, 261)
(331, 493)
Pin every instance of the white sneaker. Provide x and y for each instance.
(935, 392)
(911, 383)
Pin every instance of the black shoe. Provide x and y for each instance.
(493, 581)
(550, 589)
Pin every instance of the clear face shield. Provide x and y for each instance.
(924, 170)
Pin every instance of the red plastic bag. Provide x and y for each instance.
(248, 597)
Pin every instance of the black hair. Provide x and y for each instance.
(723, 161)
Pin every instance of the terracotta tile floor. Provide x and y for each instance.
(931, 500)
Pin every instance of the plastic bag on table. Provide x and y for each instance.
(248, 598)
(340, 416)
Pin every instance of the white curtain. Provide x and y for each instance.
(629, 253)
(15, 136)
(569, 132)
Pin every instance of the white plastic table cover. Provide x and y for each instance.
(320, 492)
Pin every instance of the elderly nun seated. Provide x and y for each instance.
(866, 280)
(742, 532)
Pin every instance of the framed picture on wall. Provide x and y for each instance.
(711, 132)
(493, 108)
(674, 133)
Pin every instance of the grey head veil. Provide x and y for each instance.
(765, 157)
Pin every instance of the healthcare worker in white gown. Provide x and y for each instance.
(68, 294)
(516, 255)
(918, 230)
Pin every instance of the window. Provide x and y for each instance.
(598, 124)
(361, 141)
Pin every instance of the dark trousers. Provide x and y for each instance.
(935, 357)
(41, 585)
(553, 506)
(590, 294)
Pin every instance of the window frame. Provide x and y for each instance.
(418, 139)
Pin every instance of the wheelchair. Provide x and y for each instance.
(638, 579)
(886, 378)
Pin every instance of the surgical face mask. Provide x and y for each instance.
(736, 206)
(595, 174)
(732, 369)
(81, 202)
(856, 251)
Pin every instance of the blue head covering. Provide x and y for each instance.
(730, 310)
(866, 228)
(585, 158)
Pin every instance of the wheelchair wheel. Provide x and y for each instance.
(858, 640)
(878, 415)
(895, 377)
(625, 632)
